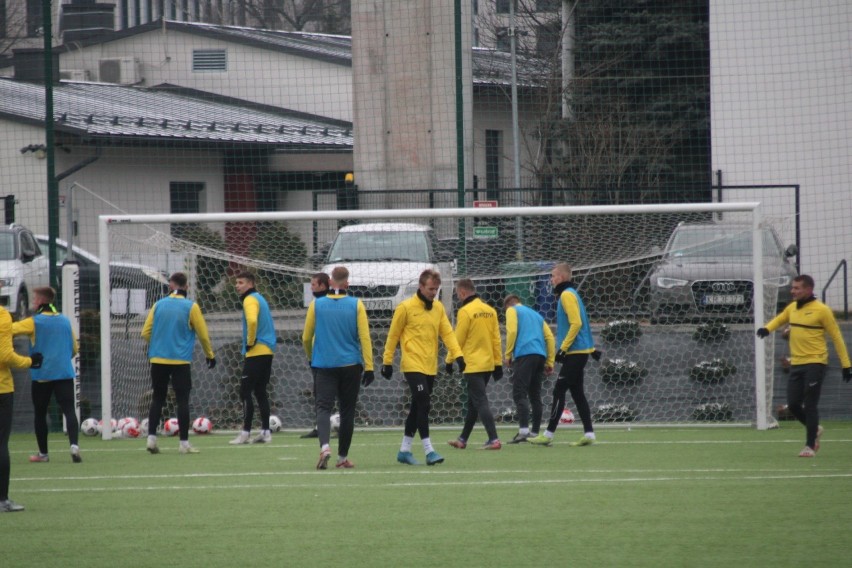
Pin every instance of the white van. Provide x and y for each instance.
(385, 261)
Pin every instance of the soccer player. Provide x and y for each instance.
(478, 335)
(337, 342)
(810, 320)
(417, 324)
(575, 344)
(258, 347)
(319, 288)
(170, 329)
(9, 360)
(530, 351)
(50, 334)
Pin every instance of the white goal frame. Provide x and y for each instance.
(762, 420)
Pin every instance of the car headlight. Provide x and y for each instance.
(779, 281)
(667, 283)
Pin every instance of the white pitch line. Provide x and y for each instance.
(478, 483)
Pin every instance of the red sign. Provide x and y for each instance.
(485, 204)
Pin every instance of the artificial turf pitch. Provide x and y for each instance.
(673, 496)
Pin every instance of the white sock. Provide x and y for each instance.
(75, 447)
(548, 434)
(267, 432)
(245, 433)
(427, 445)
(406, 444)
(325, 447)
(184, 443)
(152, 439)
(524, 431)
(589, 435)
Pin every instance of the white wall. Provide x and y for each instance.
(782, 114)
(257, 75)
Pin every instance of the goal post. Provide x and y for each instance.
(659, 365)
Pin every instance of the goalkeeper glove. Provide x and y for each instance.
(38, 359)
(561, 356)
(387, 371)
(596, 355)
(762, 332)
(211, 362)
(497, 373)
(448, 368)
(847, 374)
(461, 364)
(368, 378)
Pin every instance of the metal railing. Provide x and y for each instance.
(840, 265)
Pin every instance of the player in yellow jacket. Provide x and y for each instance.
(810, 320)
(9, 360)
(531, 352)
(417, 324)
(478, 335)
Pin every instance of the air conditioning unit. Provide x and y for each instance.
(75, 75)
(119, 70)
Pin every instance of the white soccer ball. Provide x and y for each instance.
(335, 422)
(567, 417)
(171, 427)
(89, 427)
(143, 427)
(130, 428)
(122, 422)
(113, 425)
(275, 423)
(202, 425)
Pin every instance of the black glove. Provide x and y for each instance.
(596, 355)
(561, 356)
(497, 373)
(762, 332)
(37, 358)
(211, 362)
(248, 347)
(449, 368)
(387, 371)
(847, 374)
(461, 364)
(367, 378)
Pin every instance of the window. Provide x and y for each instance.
(34, 18)
(503, 6)
(502, 42)
(209, 60)
(548, 5)
(2, 18)
(547, 39)
(185, 197)
(493, 152)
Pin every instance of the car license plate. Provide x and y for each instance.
(383, 305)
(724, 299)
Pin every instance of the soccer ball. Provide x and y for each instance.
(274, 423)
(143, 427)
(113, 424)
(202, 425)
(89, 427)
(171, 427)
(567, 417)
(125, 421)
(335, 422)
(130, 427)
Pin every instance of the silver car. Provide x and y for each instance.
(706, 272)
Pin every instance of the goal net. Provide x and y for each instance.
(671, 291)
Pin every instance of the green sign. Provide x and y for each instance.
(485, 232)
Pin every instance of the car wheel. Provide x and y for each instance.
(22, 308)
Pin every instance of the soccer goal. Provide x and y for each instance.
(671, 290)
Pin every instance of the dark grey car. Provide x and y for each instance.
(706, 272)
